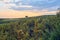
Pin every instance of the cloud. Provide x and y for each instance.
(8, 4)
(8, 1)
(53, 8)
(30, 4)
(50, 1)
(25, 6)
(12, 1)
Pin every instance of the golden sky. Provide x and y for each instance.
(22, 8)
(7, 13)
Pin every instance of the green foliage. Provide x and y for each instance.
(34, 28)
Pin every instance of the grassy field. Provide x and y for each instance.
(31, 28)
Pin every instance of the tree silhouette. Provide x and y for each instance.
(58, 13)
(26, 16)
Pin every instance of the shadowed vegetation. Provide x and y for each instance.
(35, 28)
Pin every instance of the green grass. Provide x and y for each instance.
(45, 27)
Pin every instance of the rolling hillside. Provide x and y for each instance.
(31, 28)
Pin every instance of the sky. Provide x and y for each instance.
(15, 8)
